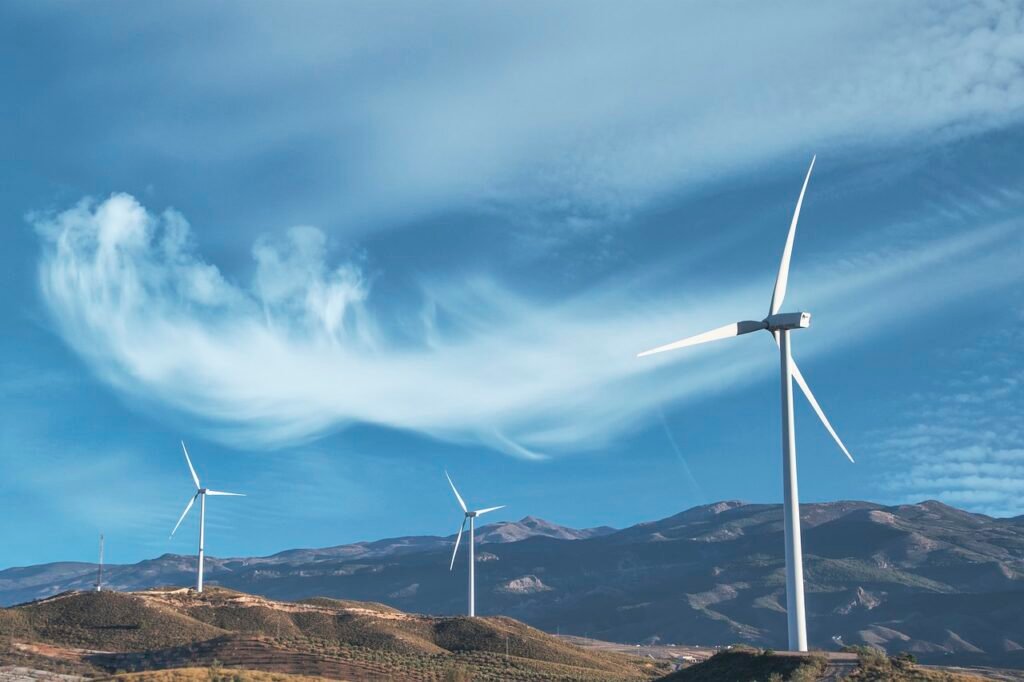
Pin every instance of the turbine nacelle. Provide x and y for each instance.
(787, 321)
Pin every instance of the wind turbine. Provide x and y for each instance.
(780, 324)
(201, 493)
(471, 517)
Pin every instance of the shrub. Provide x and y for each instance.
(457, 674)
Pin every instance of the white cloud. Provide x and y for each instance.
(306, 348)
(582, 110)
(965, 445)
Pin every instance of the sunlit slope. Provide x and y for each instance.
(163, 629)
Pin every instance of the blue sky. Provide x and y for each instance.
(340, 247)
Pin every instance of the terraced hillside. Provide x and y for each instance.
(92, 633)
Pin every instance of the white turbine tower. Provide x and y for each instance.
(201, 493)
(471, 517)
(780, 324)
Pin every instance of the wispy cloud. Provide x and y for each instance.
(306, 348)
(965, 441)
(577, 112)
(100, 489)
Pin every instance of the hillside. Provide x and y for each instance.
(927, 578)
(742, 664)
(91, 633)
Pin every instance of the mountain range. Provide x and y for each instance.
(942, 583)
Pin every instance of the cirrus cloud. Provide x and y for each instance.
(305, 347)
(576, 113)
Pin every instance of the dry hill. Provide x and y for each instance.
(93, 633)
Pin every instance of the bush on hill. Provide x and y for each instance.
(747, 664)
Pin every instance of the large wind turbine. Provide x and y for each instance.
(471, 517)
(780, 324)
(201, 493)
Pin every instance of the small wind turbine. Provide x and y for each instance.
(201, 493)
(471, 517)
(780, 324)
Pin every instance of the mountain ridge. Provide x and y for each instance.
(79, 574)
(940, 582)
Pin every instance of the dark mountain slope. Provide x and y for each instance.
(23, 584)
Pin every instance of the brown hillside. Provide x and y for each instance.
(105, 621)
(165, 629)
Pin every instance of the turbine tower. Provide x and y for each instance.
(201, 493)
(471, 517)
(780, 325)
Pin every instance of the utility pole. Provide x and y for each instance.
(99, 569)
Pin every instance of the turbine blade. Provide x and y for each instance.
(219, 492)
(798, 376)
(457, 495)
(729, 330)
(802, 383)
(782, 280)
(190, 467)
(481, 512)
(458, 539)
(183, 515)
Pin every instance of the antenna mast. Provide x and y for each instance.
(99, 571)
